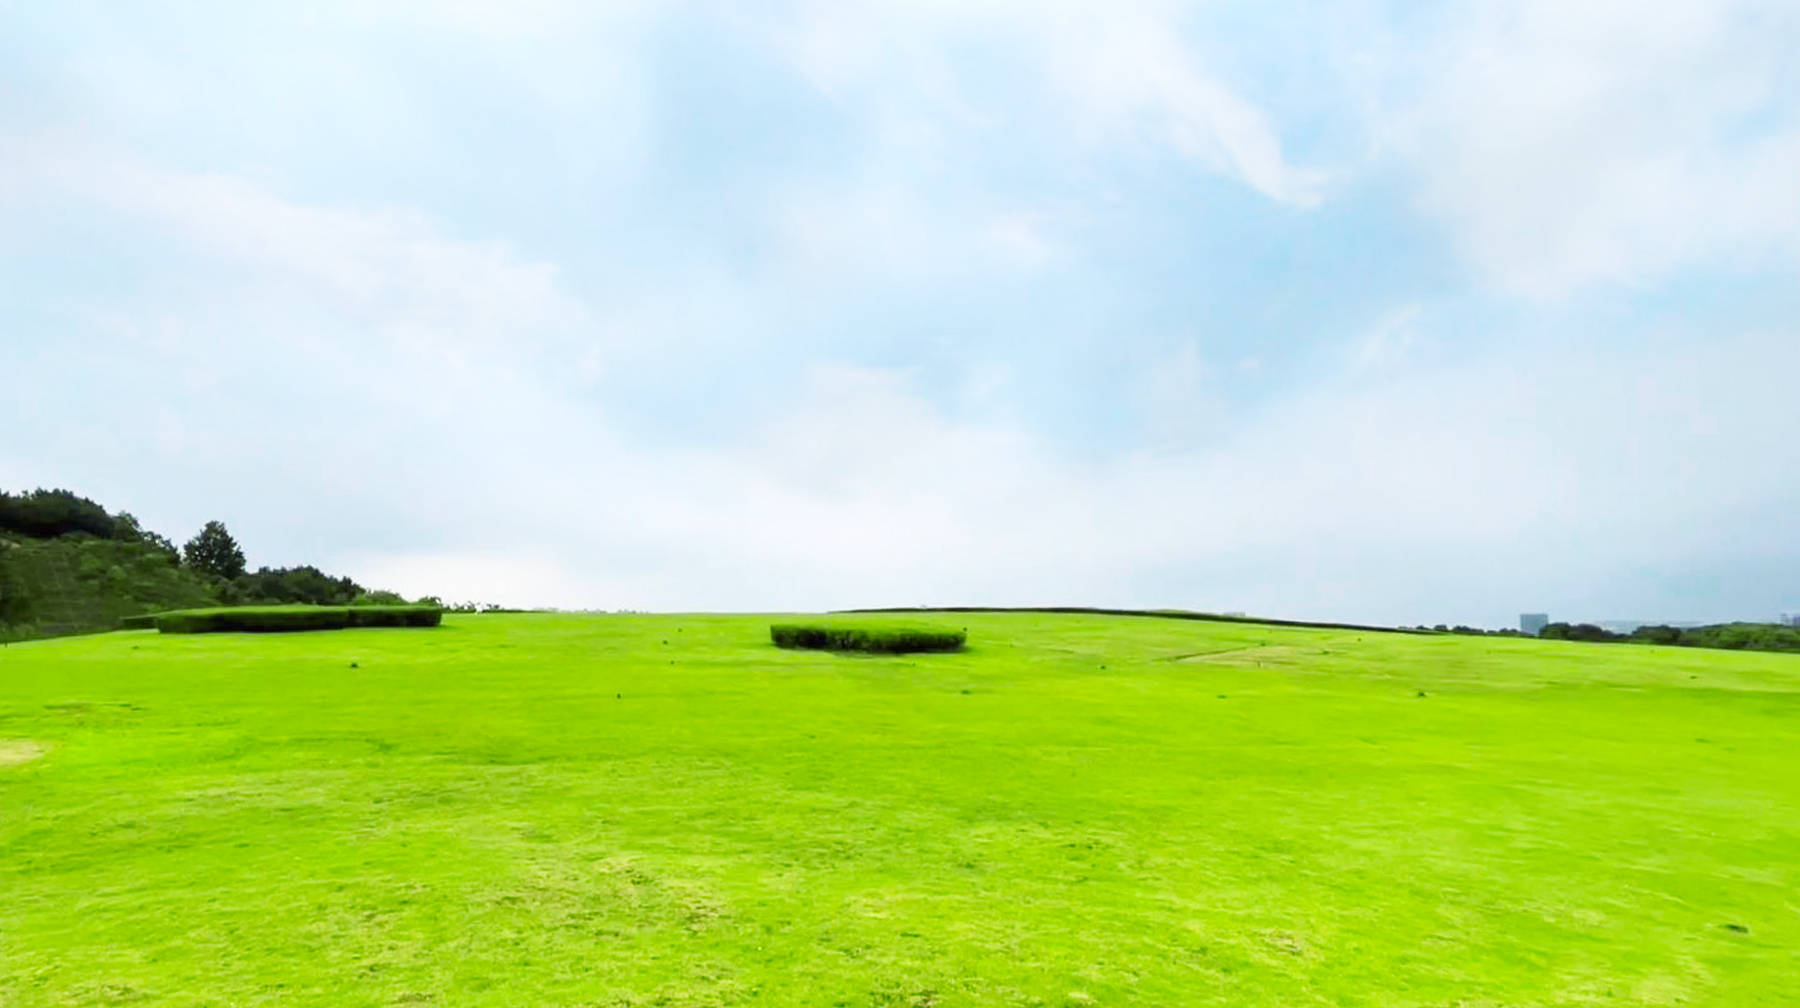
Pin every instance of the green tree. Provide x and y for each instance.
(128, 528)
(214, 552)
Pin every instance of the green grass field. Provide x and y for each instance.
(1076, 810)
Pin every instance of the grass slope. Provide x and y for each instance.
(666, 810)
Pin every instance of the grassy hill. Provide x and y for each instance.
(1076, 810)
(50, 587)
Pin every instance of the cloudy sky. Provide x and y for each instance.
(1390, 312)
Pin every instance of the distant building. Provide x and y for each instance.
(1791, 618)
(1533, 623)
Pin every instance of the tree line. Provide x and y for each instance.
(1731, 636)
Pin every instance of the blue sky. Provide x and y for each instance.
(1405, 313)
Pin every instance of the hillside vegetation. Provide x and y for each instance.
(68, 566)
(50, 587)
(556, 810)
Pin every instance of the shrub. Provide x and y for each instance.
(1577, 632)
(1744, 636)
(871, 637)
(144, 622)
(253, 619)
(1657, 634)
(259, 619)
(395, 615)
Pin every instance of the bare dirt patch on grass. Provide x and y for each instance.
(16, 751)
(1245, 656)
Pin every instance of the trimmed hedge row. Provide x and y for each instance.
(260, 619)
(144, 622)
(396, 615)
(875, 638)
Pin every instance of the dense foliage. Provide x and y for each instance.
(75, 584)
(285, 618)
(873, 637)
(41, 514)
(68, 566)
(1730, 636)
(306, 585)
(213, 551)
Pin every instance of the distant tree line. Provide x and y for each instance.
(1731, 636)
(212, 553)
(474, 607)
(1468, 630)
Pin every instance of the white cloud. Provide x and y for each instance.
(515, 19)
(1127, 68)
(1390, 341)
(1183, 406)
(860, 489)
(435, 417)
(1569, 144)
(893, 233)
(1455, 491)
(1110, 73)
(387, 266)
(513, 577)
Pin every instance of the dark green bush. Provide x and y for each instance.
(873, 637)
(258, 619)
(1744, 636)
(144, 622)
(395, 615)
(1577, 632)
(1657, 634)
(254, 619)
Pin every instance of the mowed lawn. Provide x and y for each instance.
(572, 810)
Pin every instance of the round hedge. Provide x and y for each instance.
(877, 638)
